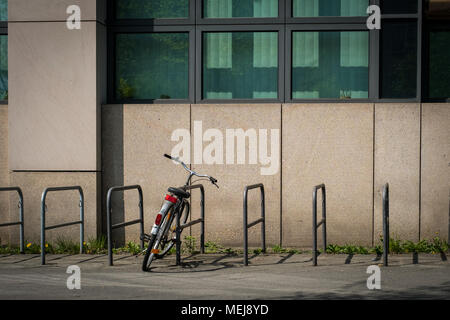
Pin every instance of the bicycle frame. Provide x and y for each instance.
(173, 207)
(166, 215)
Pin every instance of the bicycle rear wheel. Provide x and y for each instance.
(169, 237)
(148, 254)
(161, 243)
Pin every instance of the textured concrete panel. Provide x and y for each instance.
(224, 206)
(54, 10)
(112, 164)
(331, 144)
(435, 170)
(397, 161)
(136, 137)
(4, 174)
(54, 122)
(62, 206)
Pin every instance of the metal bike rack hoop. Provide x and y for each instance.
(44, 209)
(322, 223)
(385, 224)
(261, 220)
(21, 220)
(189, 224)
(110, 226)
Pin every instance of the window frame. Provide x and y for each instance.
(290, 19)
(200, 20)
(393, 15)
(114, 31)
(4, 32)
(238, 28)
(430, 26)
(285, 24)
(417, 17)
(417, 98)
(318, 28)
(338, 24)
(112, 20)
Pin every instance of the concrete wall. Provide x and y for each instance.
(331, 144)
(54, 123)
(397, 161)
(61, 206)
(224, 205)
(55, 10)
(353, 148)
(57, 83)
(4, 174)
(435, 178)
(135, 137)
(55, 132)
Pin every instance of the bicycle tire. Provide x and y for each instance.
(186, 211)
(148, 254)
(145, 264)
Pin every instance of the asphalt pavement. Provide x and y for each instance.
(221, 276)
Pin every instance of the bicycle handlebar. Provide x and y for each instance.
(212, 179)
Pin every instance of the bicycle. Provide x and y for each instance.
(163, 233)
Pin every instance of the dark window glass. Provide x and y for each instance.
(437, 9)
(152, 9)
(398, 57)
(398, 6)
(240, 65)
(3, 67)
(335, 8)
(240, 8)
(330, 64)
(152, 66)
(439, 62)
(3, 10)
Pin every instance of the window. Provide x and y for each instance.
(240, 8)
(3, 50)
(3, 10)
(439, 65)
(152, 9)
(398, 59)
(437, 9)
(3, 67)
(336, 8)
(192, 51)
(398, 6)
(330, 64)
(152, 66)
(240, 65)
(436, 64)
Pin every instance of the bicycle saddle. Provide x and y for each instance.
(179, 193)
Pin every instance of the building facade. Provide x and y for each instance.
(355, 108)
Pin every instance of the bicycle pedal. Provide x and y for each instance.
(145, 237)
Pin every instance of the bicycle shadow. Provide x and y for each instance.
(235, 261)
(226, 261)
